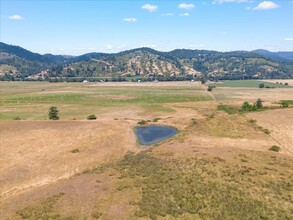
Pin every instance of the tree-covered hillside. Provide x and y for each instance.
(16, 62)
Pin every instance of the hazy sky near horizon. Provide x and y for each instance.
(76, 27)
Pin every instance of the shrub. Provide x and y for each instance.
(142, 122)
(17, 118)
(252, 121)
(210, 88)
(193, 121)
(246, 106)
(96, 215)
(91, 117)
(266, 131)
(156, 119)
(76, 150)
(286, 84)
(262, 85)
(275, 148)
(53, 113)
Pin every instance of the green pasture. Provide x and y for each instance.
(247, 83)
(31, 100)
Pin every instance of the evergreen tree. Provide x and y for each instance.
(53, 113)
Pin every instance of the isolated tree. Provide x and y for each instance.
(53, 113)
(210, 88)
(203, 81)
(262, 85)
(258, 103)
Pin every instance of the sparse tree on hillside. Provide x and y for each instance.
(262, 85)
(53, 113)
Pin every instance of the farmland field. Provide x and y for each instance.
(218, 166)
(249, 84)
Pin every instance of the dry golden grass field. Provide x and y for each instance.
(218, 166)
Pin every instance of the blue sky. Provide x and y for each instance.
(77, 27)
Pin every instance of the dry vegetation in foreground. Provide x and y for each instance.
(240, 185)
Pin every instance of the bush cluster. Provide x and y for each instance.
(91, 117)
(252, 107)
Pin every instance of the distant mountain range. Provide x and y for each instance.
(286, 56)
(19, 63)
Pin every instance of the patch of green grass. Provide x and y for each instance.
(78, 100)
(222, 126)
(247, 83)
(227, 108)
(289, 102)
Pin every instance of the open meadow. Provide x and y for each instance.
(218, 166)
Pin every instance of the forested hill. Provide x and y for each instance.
(18, 63)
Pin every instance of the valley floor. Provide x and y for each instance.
(218, 166)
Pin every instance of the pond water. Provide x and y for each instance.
(153, 134)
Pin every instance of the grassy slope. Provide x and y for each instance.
(238, 185)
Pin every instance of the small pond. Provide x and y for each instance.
(153, 134)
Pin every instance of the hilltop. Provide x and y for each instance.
(19, 63)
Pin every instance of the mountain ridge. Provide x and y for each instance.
(18, 62)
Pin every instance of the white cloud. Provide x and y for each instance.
(186, 6)
(130, 19)
(167, 14)
(15, 17)
(149, 7)
(223, 1)
(288, 38)
(122, 46)
(109, 46)
(266, 5)
(185, 14)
